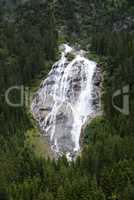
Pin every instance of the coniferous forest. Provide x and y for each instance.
(30, 33)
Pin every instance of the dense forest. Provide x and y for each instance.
(30, 32)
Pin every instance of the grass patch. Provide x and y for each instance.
(38, 143)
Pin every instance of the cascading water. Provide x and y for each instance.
(64, 101)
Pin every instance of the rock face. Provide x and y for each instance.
(66, 99)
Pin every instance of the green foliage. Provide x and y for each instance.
(97, 127)
(25, 50)
(118, 72)
(28, 43)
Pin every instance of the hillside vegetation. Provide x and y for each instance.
(29, 37)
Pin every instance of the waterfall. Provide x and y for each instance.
(64, 101)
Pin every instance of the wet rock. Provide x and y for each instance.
(65, 100)
(48, 109)
(55, 66)
(78, 79)
(76, 87)
(50, 82)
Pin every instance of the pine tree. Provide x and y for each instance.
(60, 194)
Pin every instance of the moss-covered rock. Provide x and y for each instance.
(70, 56)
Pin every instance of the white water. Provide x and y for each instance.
(65, 94)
